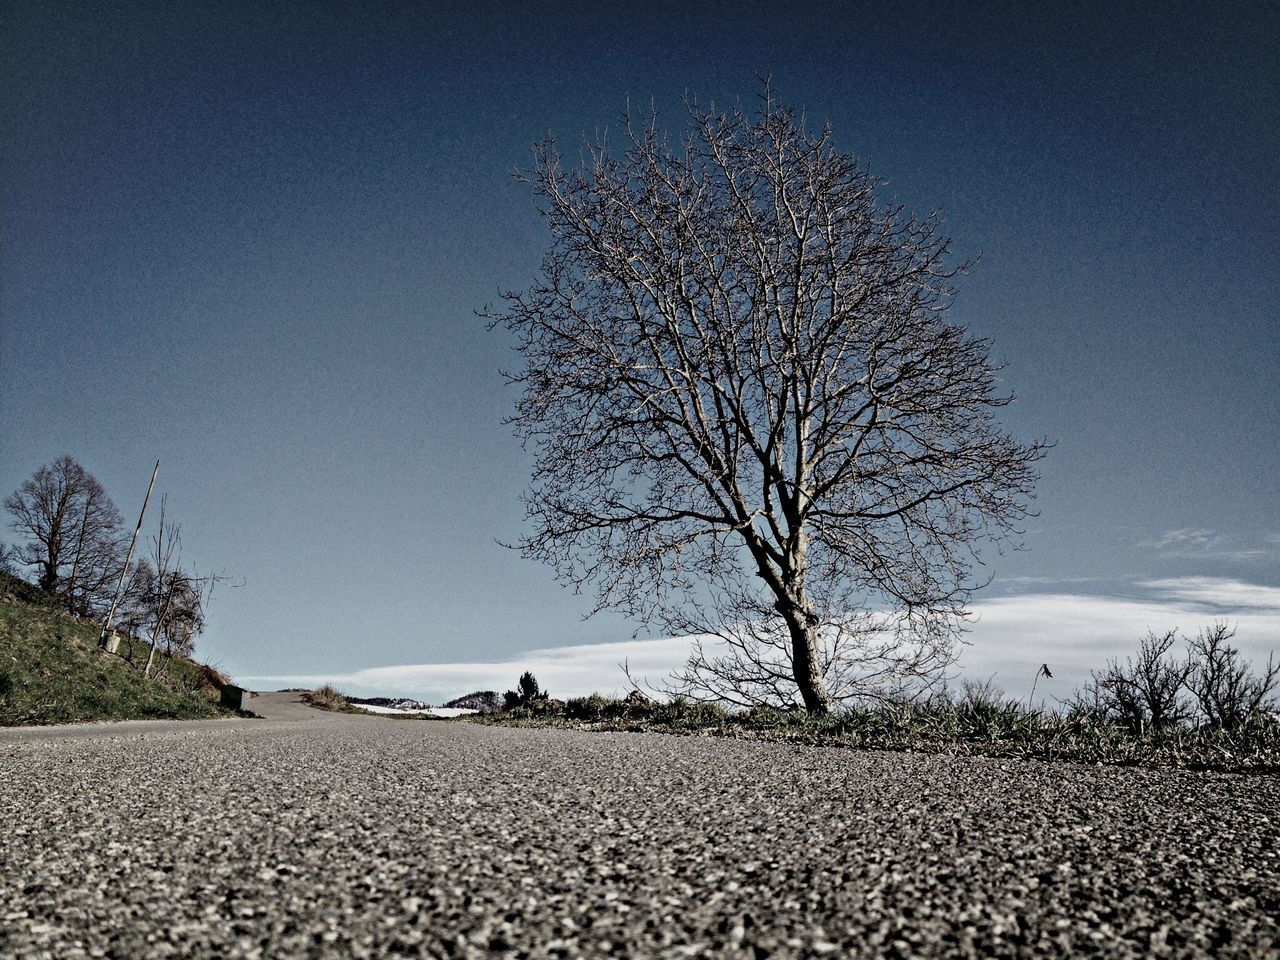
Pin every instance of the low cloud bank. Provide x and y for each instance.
(1008, 640)
(1077, 633)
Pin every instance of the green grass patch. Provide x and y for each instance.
(51, 670)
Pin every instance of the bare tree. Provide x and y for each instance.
(188, 595)
(1224, 685)
(163, 598)
(750, 416)
(1144, 693)
(135, 610)
(166, 555)
(71, 530)
(8, 559)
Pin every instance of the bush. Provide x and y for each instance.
(328, 698)
(1157, 693)
(594, 707)
(204, 677)
(527, 693)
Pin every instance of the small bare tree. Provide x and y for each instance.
(169, 600)
(1224, 685)
(1144, 693)
(751, 419)
(166, 555)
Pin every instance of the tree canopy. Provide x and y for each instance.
(71, 533)
(751, 417)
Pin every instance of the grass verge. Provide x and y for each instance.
(51, 670)
(974, 726)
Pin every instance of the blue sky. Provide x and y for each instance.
(249, 239)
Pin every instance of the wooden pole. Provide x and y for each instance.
(111, 614)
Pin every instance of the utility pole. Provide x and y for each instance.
(111, 614)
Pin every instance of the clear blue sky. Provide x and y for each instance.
(249, 239)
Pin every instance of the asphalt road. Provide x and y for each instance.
(325, 835)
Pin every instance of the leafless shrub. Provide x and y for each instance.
(164, 599)
(1224, 686)
(1144, 693)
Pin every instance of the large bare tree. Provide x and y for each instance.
(71, 533)
(751, 417)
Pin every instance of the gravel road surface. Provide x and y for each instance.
(326, 835)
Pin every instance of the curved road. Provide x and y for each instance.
(309, 834)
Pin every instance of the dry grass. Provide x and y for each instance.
(328, 698)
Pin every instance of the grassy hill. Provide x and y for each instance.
(51, 670)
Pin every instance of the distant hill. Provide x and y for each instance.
(486, 701)
(51, 670)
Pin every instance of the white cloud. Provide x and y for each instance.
(1009, 639)
(1187, 537)
(1077, 633)
(1218, 593)
(1202, 543)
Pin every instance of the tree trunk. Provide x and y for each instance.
(804, 658)
(49, 570)
(801, 622)
(53, 549)
(155, 631)
(75, 563)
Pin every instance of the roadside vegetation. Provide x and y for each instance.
(329, 698)
(51, 670)
(93, 624)
(72, 544)
(1209, 711)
